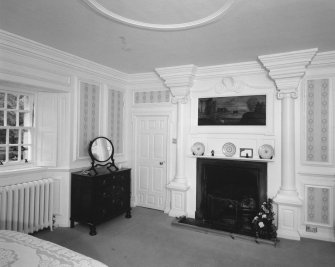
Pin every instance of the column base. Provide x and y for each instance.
(178, 199)
(289, 207)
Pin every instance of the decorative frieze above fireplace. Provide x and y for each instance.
(229, 193)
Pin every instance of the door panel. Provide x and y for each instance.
(143, 177)
(157, 183)
(151, 132)
(158, 145)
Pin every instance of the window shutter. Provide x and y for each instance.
(46, 129)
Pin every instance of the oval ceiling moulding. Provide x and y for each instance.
(156, 26)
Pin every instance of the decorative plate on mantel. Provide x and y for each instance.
(229, 149)
(266, 152)
(198, 149)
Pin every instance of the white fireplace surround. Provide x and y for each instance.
(282, 84)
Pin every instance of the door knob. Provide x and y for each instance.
(161, 163)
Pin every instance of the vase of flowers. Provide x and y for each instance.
(263, 222)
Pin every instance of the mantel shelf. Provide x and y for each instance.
(231, 158)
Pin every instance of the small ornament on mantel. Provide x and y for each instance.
(212, 153)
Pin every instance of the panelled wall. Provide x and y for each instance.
(316, 164)
(75, 101)
(92, 108)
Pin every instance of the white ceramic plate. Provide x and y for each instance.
(198, 149)
(266, 152)
(229, 149)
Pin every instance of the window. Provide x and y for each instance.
(16, 117)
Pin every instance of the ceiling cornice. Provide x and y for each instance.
(153, 26)
(323, 59)
(145, 81)
(19, 45)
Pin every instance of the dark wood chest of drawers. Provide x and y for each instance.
(98, 198)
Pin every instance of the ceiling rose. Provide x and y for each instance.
(162, 14)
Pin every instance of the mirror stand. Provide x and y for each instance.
(108, 165)
(101, 151)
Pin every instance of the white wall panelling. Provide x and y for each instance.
(318, 205)
(88, 122)
(145, 97)
(32, 67)
(317, 121)
(318, 210)
(115, 119)
(47, 128)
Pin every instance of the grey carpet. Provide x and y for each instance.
(149, 240)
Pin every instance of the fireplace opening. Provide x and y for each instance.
(229, 194)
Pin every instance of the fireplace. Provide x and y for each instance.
(229, 193)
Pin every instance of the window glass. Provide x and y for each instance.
(13, 153)
(25, 150)
(2, 153)
(2, 119)
(11, 101)
(11, 118)
(21, 119)
(2, 100)
(25, 137)
(23, 102)
(13, 136)
(3, 136)
(15, 127)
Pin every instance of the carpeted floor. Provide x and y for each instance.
(149, 240)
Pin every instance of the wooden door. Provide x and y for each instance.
(151, 152)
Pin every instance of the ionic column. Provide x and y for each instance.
(287, 70)
(179, 80)
(180, 155)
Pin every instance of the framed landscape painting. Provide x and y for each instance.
(234, 110)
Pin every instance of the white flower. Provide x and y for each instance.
(264, 216)
(261, 224)
(256, 218)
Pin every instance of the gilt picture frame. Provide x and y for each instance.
(246, 110)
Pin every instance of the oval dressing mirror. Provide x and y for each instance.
(101, 149)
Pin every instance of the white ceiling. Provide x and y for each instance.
(248, 29)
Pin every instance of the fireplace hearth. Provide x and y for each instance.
(229, 194)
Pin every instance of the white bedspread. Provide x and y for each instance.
(22, 250)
